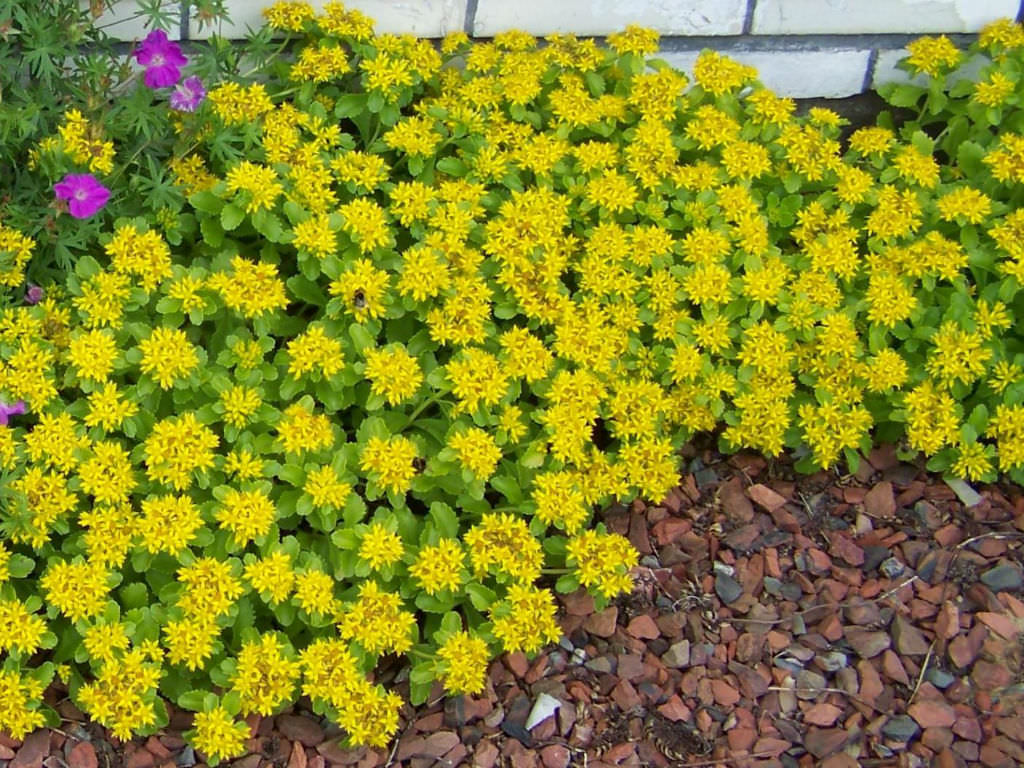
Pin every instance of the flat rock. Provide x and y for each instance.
(32, 751)
(83, 755)
(866, 643)
(880, 501)
(823, 714)
(643, 627)
(900, 728)
(822, 742)
(909, 639)
(677, 656)
(932, 714)
(727, 588)
(765, 497)
(1005, 577)
(304, 730)
(602, 624)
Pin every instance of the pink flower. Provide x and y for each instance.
(14, 409)
(85, 195)
(33, 294)
(188, 95)
(162, 59)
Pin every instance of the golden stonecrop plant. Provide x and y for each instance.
(416, 314)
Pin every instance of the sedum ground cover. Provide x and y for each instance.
(360, 332)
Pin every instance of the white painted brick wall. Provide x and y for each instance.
(834, 73)
(423, 18)
(763, 33)
(795, 17)
(600, 17)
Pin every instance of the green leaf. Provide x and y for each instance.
(231, 216)
(480, 596)
(19, 566)
(969, 157)
(207, 202)
(193, 701)
(445, 519)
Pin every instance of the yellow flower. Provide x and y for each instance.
(325, 489)
(391, 460)
(169, 523)
(602, 561)
(525, 621)
(247, 514)
(933, 55)
(476, 450)
(302, 430)
(217, 734)
(78, 590)
(380, 546)
(240, 404)
(272, 575)
(439, 567)
(465, 658)
(502, 542)
(377, 621)
(167, 355)
(264, 677)
(315, 592)
(394, 374)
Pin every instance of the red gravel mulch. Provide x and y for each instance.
(778, 620)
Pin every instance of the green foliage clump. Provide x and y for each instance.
(404, 318)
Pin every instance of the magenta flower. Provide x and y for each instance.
(85, 195)
(33, 294)
(187, 96)
(162, 59)
(14, 409)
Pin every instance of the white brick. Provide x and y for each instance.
(886, 70)
(600, 17)
(795, 17)
(423, 18)
(829, 73)
(121, 22)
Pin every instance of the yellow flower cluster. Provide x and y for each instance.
(426, 314)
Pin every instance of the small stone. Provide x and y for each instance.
(555, 756)
(832, 661)
(880, 501)
(727, 588)
(901, 728)
(822, 742)
(909, 639)
(603, 665)
(602, 624)
(83, 755)
(297, 759)
(485, 755)
(940, 678)
(304, 730)
(865, 643)
(823, 714)
(892, 568)
(999, 623)
(809, 683)
(32, 751)
(964, 649)
(1005, 577)
(989, 677)
(677, 656)
(893, 668)
(765, 497)
(643, 628)
(874, 556)
(932, 713)
(725, 695)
